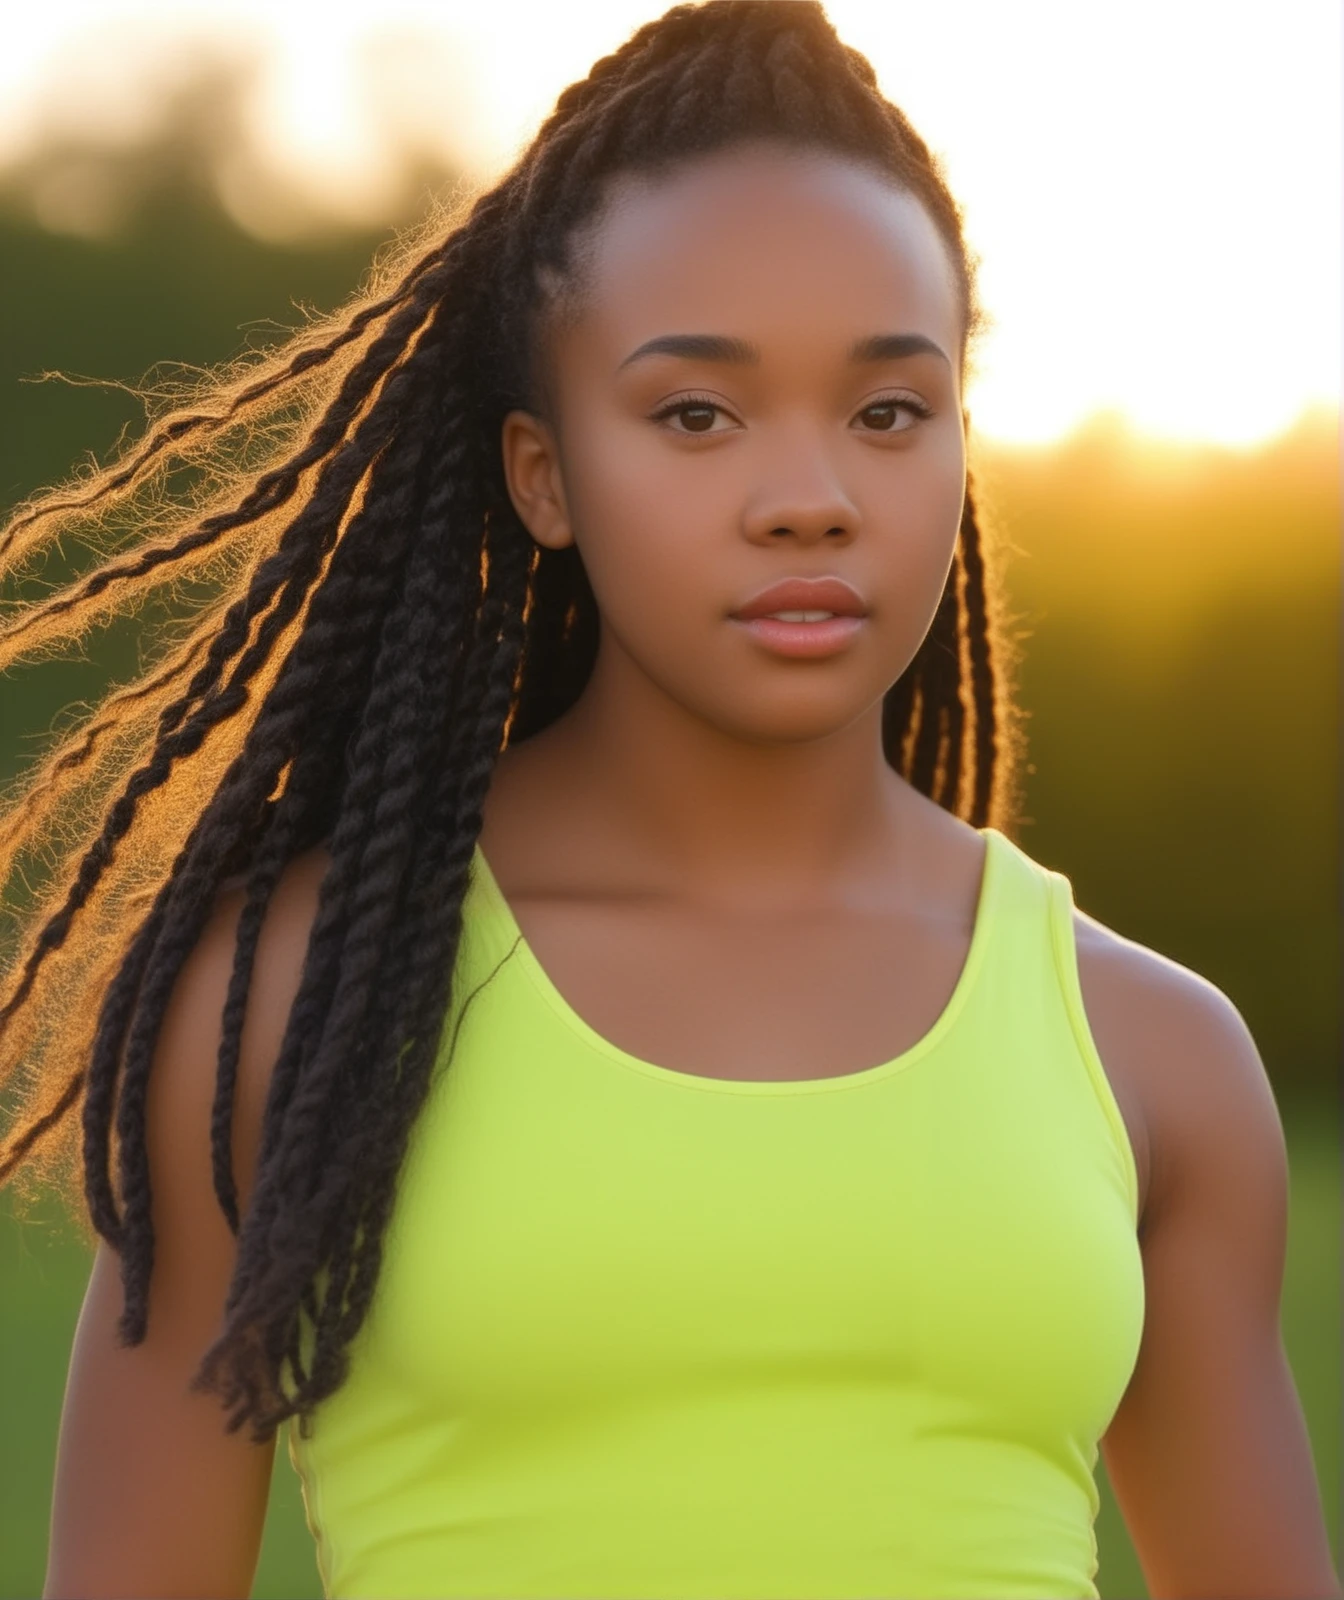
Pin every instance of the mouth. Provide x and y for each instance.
(806, 618)
(803, 600)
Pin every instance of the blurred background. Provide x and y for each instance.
(1153, 189)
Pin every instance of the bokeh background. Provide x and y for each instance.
(1153, 190)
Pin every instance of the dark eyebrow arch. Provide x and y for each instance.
(742, 353)
(894, 346)
(697, 347)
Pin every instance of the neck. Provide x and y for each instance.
(760, 819)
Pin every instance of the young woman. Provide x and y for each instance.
(694, 1151)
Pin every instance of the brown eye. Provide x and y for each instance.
(899, 414)
(884, 417)
(690, 416)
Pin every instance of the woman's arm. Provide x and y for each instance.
(152, 1496)
(1208, 1453)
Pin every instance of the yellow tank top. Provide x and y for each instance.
(641, 1333)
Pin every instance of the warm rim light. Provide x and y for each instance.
(1158, 227)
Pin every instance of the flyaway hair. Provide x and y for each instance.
(380, 626)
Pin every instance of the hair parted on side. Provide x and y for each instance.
(383, 627)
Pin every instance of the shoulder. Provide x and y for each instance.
(182, 1084)
(1184, 1068)
(300, 879)
(1207, 1451)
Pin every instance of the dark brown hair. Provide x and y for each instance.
(382, 625)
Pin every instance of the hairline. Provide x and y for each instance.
(559, 305)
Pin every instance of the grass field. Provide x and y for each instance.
(42, 1282)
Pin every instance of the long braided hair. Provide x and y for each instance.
(382, 626)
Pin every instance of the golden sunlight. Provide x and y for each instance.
(1152, 188)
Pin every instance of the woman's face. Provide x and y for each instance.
(759, 381)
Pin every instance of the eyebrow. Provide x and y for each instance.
(697, 347)
(895, 346)
(742, 353)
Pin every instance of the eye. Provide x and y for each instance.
(894, 414)
(694, 413)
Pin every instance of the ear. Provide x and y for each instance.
(532, 472)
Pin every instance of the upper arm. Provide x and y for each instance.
(152, 1495)
(1208, 1453)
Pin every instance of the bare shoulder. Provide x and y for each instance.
(1181, 1060)
(188, 1223)
(282, 946)
(180, 1096)
(1208, 1452)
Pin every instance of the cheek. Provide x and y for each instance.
(916, 486)
(910, 509)
(651, 527)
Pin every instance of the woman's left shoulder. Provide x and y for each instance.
(1184, 1067)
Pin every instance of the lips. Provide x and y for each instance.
(830, 594)
(807, 619)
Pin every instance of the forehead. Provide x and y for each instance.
(760, 240)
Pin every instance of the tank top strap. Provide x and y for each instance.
(1032, 976)
(1021, 892)
(1064, 949)
(488, 930)
(1011, 951)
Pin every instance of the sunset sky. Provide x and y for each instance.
(1153, 187)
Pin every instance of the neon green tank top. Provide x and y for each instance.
(641, 1333)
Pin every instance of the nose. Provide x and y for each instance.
(799, 495)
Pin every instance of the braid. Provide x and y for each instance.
(345, 612)
(981, 656)
(394, 629)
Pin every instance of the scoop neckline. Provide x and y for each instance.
(521, 952)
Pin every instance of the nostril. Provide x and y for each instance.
(831, 531)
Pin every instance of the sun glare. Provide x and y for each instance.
(1152, 188)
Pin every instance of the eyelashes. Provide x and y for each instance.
(893, 405)
(698, 413)
(697, 405)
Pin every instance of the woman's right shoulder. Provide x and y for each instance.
(153, 1496)
(192, 1030)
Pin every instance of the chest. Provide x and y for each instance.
(745, 996)
(677, 1229)
(676, 1233)
(788, 998)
